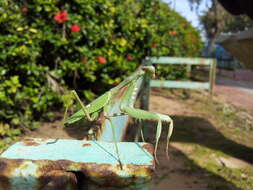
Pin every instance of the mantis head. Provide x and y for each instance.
(149, 71)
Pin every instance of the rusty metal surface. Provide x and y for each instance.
(17, 174)
(36, 164)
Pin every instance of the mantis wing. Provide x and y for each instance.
(94, 106)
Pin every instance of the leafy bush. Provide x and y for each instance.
(49, 46)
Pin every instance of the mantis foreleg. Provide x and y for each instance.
(145, 115)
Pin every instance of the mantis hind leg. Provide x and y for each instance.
(145, 115)
(114, 138)
(90, 111)
(82, 105)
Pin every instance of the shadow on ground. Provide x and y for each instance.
(200, 131)
(78, 130)
(182, 173)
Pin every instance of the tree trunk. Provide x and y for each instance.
(216, 32)
(211, 43)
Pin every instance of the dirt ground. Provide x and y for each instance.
(236, 88)
(209, 149)
(173, 173)
(182, 171)
(212, 144)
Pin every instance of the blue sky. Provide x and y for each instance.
(183, 7)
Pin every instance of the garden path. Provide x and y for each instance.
(236, 90)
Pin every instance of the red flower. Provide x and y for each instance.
(184, 44)
(183, 24)
(61, 16)
(194, 41)
(173, 33)
(75, 28)
(101, 60)
(83, 59)
(154, 45)
(24, 10)
(129, 58)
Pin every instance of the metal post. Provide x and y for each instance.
(212, 76)
(188, 70)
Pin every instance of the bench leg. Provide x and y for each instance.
(58, 180)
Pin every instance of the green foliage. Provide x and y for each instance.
(174, 35)
(91, 48)
(7, 133)
(164, 72)
(5, 130)
(216, 19)
(214, 24)
(237, 23)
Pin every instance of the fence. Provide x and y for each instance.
(188, 62)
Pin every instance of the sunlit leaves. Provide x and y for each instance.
(50, 46)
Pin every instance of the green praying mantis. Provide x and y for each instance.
(102, 104)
